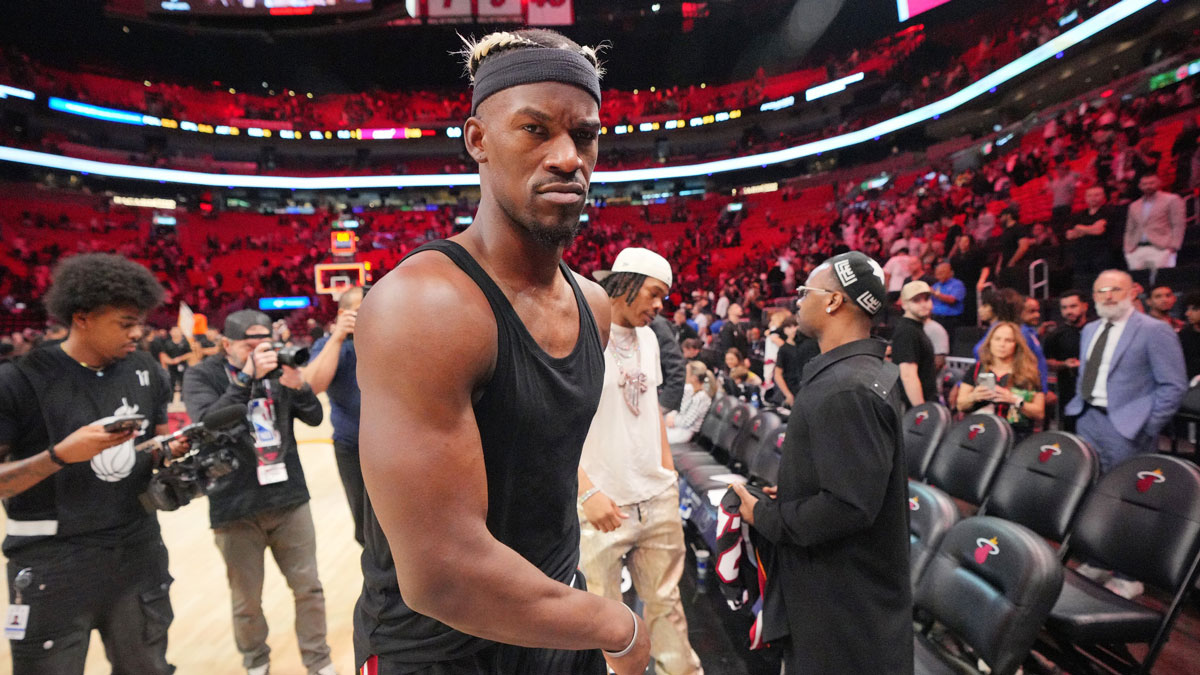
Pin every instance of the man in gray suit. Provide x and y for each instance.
(1154, 227)
(1132, 375)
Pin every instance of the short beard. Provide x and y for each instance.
(561, 235)
(553, 237)
(1111, 312)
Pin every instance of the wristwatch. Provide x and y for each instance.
(242, 379)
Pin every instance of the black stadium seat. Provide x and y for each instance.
(699, 449)
(931, 514)
(746, 447)
(764, 470)
(969, 456)
(924, 426)
(1142, 519)
(736, 417)
(1043, 482)
(991, 584)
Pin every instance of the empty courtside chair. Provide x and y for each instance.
(1043, 482)
(931, 514)
(1141, 519)
(990, 584)
(924, 426)
(746, 446)
(698, 450)
(764, 470)
(969, 456)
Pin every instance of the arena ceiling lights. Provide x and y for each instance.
(1101, 21)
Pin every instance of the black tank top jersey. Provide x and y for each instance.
(533, 418)
(44, 397)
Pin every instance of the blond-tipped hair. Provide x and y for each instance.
(474, 51)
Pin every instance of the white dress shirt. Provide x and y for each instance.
(1100, 391)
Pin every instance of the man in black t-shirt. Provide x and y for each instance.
(1061, 347)
(82, 552)
(1088, 240)
(265, 504)
(1016, 239)
(1189, 335)
(175, 352)
(911, 348)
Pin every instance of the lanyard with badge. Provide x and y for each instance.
(267, 441)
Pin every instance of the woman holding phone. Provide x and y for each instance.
(1005, 381)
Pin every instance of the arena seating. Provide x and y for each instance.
(969, 456)
(931, 514)
(1142, 519)
(1042, 483)
(990, 584)
(924, 426)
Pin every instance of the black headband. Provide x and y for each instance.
(535, 64)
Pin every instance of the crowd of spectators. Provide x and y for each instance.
(932, 76)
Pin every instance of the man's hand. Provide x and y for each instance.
(635, 662)
(1072, 363)
(603, 513)
(344, 327)
(262, 360)
(291, 378)
(86, 442)
(748, 503)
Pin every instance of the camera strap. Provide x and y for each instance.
(268, 454)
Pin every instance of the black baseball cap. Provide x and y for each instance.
(862, 278)
(239, 322)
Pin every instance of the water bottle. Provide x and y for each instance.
(701, 568)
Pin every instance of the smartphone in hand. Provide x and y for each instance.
(121, 423)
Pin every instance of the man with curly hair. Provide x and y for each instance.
(470, 443)
(82, 551)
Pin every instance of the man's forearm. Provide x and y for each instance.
(18, 476)
(912, 385)
(320, 371)
(500, 596)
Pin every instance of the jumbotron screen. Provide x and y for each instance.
(910, 8)
(256, 7)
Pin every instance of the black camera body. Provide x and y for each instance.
(204, 469)
(178, 483)
(292, 357)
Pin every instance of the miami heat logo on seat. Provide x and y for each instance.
(1048, 451)
(921, 417)
(1148, 478)
(985, 548)
(974, 431)
(914, 504)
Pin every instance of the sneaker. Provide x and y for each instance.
(264, 669)
(327, 670)
(1126, 588)
(1096, 574)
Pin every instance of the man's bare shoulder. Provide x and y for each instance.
(427, 309)
(598, 300)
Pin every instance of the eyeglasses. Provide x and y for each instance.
(805, 290)
(1108, 289)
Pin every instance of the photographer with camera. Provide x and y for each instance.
(265, 504)
(332, 369)
(82, 552)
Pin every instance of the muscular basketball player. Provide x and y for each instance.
(470, 436)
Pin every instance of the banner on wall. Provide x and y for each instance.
(550, 13)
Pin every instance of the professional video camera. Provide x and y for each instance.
(292, 357)
(203, 469)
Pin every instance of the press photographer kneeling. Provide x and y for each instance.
(265, 503)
